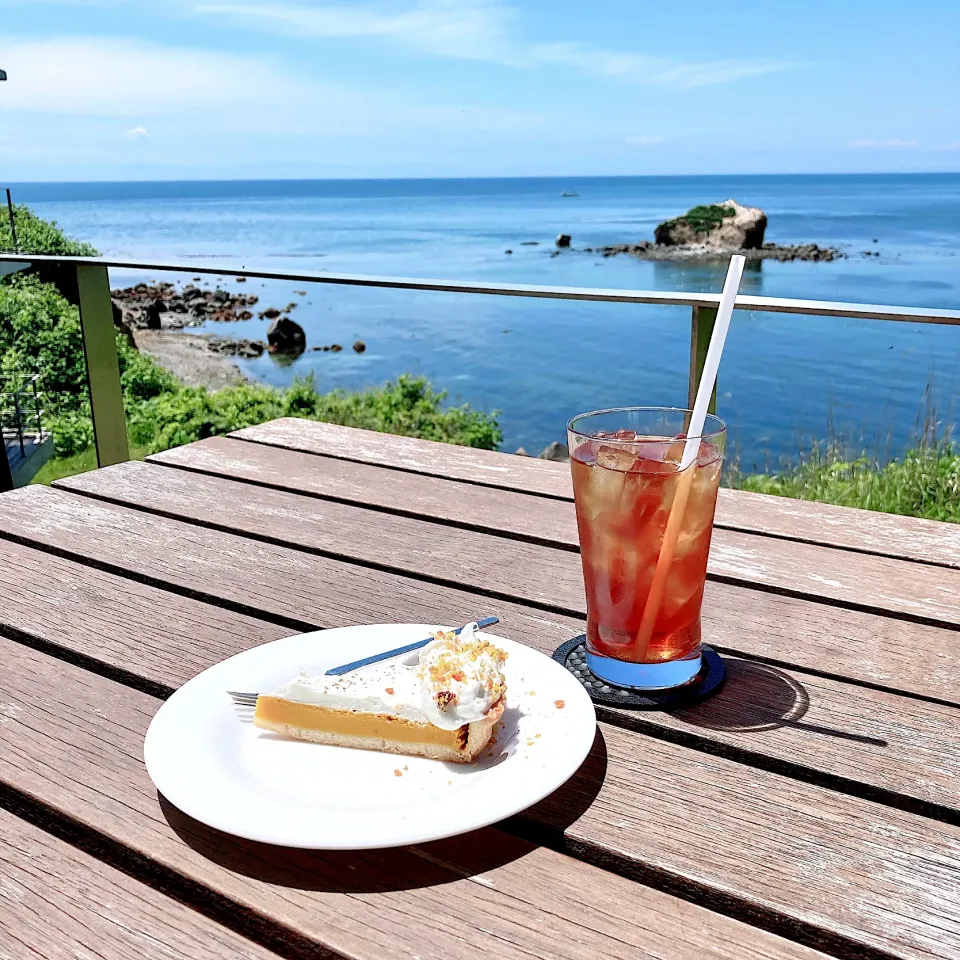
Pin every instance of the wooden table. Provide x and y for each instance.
(811, 809)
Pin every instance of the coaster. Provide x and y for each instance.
(573, 656)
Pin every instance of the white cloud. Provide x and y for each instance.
(482, 30)
(893, 144)
(108, 76)
(687, 76)
(136, 133)
(465, 29)
(646, 141)
(97, 76)
(659, 71)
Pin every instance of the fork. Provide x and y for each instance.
(250, 699)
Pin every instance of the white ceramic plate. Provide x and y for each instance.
(251, 783)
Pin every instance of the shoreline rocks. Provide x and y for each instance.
(235, 348)
(555, 451)
(645, 250)
(163, 308)
(155, 306)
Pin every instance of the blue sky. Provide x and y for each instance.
(118, 89)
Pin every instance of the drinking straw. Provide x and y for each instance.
(691, 448)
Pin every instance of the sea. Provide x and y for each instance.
(786, 382)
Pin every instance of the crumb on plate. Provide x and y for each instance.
(559, 704)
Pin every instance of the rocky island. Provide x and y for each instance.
(717, 230)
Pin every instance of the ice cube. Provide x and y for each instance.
(708, 454)
(616, 458)
(674, 451)
(601, 494)
(682, 586)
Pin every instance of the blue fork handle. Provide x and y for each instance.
(399, 652)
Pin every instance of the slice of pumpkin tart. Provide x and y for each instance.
(443, 706)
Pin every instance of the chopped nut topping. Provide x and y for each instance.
(445, 698)
(398, 773)
(390, 690)
(559, 704)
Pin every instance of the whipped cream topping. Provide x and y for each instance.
(460, 678)
(456, 681)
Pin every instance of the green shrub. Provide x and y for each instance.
(36, 235)
(703, 218)
(72, 431)
(408, 406)
(40, 333)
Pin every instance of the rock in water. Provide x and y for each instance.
(723, 226)
(151, 315)
(556, 451)
(359, 347)
(286, 336)
(564, 240)
(119, 324)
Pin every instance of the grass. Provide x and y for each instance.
(925, 482)
(59, 467)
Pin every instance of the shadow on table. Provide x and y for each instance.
(379, 871)
(758, 697)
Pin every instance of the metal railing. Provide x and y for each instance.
(21, 415)
(103, 370)
(21, 420)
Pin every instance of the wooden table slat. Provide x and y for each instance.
(886, 534)
(74, 740)
(519, 570)
(60, 903)
(884, 744)
(537, 575)
(487, 467)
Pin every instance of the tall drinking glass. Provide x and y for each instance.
(626, 474)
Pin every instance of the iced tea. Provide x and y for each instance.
(624, 485)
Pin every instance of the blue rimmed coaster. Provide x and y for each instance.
(573, 656)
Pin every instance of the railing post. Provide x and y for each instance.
(36, 407)
(6, 472)
(701, 329)
(18, 419)
(103, 365)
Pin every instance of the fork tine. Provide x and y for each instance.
(243, 699)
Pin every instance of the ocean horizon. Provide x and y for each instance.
(785, 380)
